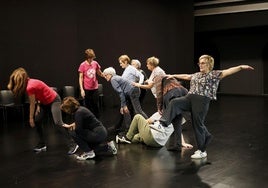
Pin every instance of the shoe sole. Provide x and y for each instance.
(83, 159)
(73, 152)
(113, 148)
(40, 150)
(198, 157)
(119, 140)
(201, 157)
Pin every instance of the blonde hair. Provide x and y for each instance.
(209, 59)
(18, 81)
(90, 54)
(124, 58)
(154, 61)
(109, 70)
(69, 105)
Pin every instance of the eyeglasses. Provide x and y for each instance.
(202, 63)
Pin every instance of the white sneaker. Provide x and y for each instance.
(73, 149)
(183, 120)
(86, 155)
(112, 147)
(199, 154)
(122, 139)
(40, 147)
(157, 126)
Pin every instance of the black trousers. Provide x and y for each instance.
(198, 106)
(174, 142)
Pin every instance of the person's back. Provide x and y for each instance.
(121, 85)
(85, 119)
(43, 93)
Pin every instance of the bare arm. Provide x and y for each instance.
(69, 126)
(81, 79)
(31, 111)
(144, 86)
(99, 72)
(233, 70)
(180, 76)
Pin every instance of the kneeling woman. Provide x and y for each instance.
(88, 132)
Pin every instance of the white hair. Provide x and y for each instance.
(109, 70)
(137, 62)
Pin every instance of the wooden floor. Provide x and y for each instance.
(236, 156)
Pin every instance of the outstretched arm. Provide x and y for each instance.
(180, 76)
(100, 73)
(144, 86)
(233, 70)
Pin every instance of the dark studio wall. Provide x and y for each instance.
(48, 38)
(236, 38)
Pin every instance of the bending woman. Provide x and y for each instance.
(42, 98)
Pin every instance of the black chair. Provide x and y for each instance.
(7, 100)
(68, 91)
(55, 89)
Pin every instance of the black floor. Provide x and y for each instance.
(237, 156)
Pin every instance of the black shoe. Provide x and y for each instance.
(40, 147)
(73, 149)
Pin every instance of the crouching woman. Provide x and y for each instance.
(88, 132)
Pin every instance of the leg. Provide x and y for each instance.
(133, 129)
(136, 139)
(56, 112)
(200, 106)
(90, 139)
(142, 95)
(184, 144)
(57, 118)
(174, 142)
(127, 121)
(146, 135)
(94, 100)
(91, 101)
(39, 120)
(175, 107)
(140, 131)
(134, 97)
(80, 142)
